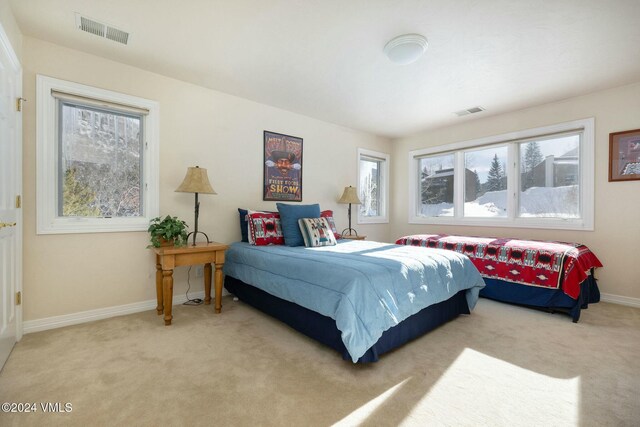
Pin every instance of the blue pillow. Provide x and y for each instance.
(289, 216)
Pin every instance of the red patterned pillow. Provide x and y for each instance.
(328, 214)
(264, 229)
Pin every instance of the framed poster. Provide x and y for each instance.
(282, 179)
(624, 155)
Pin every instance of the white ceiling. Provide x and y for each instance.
(324, 59)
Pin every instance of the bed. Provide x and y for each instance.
(361, 298)
(555, 276)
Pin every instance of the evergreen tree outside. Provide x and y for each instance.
(425, 184)
(495, 178)
(78, 198)
(531, 158)
(101, 152)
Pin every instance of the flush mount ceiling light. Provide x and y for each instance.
(406, 49)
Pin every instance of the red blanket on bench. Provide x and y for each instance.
(555, 265)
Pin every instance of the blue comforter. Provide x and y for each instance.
(366, 287)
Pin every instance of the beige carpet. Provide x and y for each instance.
(501, 366)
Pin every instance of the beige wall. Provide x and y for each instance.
(11, 28)
(65, 274)
(617, 212)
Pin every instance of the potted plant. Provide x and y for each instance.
(167, 231)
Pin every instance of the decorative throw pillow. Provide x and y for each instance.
(264, 229)
(244, 225)
(316, 232)
(289, 216)
(329, 215)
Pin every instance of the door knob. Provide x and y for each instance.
(7, 224)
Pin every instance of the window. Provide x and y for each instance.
(549, 171)
(436, 185)
(373, 186)
(540, 178)
(97, 156)
(485, 185)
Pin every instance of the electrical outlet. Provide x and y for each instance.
(199, 271)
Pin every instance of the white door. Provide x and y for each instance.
(10, 187)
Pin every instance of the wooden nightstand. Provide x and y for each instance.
(169, 257)
(359, 237)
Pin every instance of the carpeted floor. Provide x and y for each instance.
(501, 366)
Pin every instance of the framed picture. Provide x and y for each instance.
(282, 167)
(624, 155)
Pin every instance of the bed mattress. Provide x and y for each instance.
(365, 287)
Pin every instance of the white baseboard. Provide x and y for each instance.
(619, 299)
(38, 325)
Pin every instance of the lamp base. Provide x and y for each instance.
(195, 233)
(349, 232)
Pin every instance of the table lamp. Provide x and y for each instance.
(196, 181)
(349, 196)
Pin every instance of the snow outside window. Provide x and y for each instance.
(550, 172)
(485, 185)
(100, 162)
(97, 159)
(373, 186)
(436, 185)
(540, 178)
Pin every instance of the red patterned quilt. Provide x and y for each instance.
(555, 265)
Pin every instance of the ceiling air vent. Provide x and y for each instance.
(471, 110)
(101, 29)
(117, 35)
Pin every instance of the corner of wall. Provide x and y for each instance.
(11, 29)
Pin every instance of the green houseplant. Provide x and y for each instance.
(170, 229)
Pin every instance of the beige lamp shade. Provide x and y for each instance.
(350, 195)
(196, 181)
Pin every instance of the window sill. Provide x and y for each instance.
(549, 223)
(93, 225)
(373, 220)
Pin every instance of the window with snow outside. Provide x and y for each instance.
(100, 162)
(537, 178)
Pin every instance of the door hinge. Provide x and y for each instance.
(18, 298)
(19, 103)
(18, 202)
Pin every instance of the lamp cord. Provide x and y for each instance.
(195, 301)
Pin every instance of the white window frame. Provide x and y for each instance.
(512, 139)
(48, 221)
(384, 205)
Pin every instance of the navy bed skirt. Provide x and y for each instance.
(323, 328)
(546, 299)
